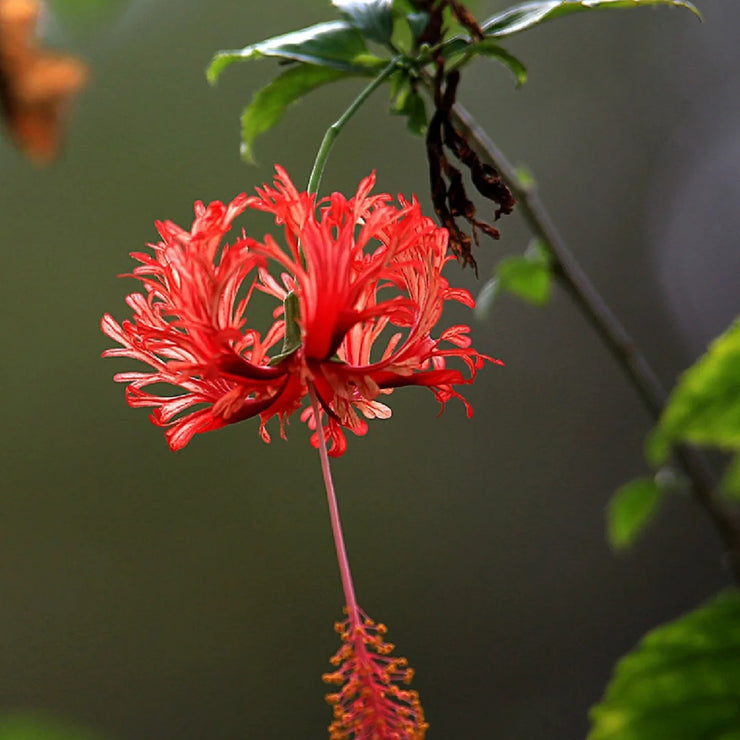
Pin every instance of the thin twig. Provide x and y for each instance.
(570, 273)
(622, 347)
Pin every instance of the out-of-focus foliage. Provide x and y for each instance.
(27, 726)
(631, 509)
(85, 12)
(528, 277)
(681, 682)
(704, 407)
(731, 482)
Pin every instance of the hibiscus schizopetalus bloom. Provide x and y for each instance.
(360, 291)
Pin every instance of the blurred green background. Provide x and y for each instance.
(147, 594)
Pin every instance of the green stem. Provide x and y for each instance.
(335, 129)
(313, 185)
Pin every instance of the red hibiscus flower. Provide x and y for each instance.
(360, 293)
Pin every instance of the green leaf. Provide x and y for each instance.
(704, 407)
(335, 44)
(525, 279)
(372, 18)
(630, 510)
(408, 24)
(527, 15)
(269, 104)
(512, 63)
(682, 682)
(460, 51)
(528, 276)
(405, 101)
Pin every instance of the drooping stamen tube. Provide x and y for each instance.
(371, 701)
(336, 524)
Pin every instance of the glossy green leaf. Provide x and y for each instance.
(630, 510)
(704, 407)
(682, 682)
(372, 18)
(527, 15)
(335, 44)
(269, 104)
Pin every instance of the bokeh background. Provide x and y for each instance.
(146, 594)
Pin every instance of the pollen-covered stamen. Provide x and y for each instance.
(372, 701)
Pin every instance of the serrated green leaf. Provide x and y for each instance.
(269, 104)
(527, 15)
(731, 480)
(372, 18)
(682, 682)
(630, 510)
(527, 277)
(335, 44)
(704, 407)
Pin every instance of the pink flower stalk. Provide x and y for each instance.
(360, 293)
(371, 702)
